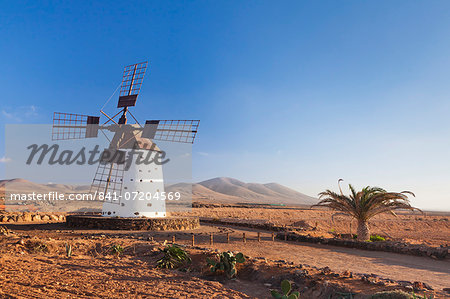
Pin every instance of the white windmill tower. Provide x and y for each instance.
(116, 182)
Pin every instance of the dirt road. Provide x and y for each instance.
(388, 265)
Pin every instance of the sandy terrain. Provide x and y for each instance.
(428, 228)
(93, 272)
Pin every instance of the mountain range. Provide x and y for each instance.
(216, 190)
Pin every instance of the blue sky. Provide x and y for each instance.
(297, 92)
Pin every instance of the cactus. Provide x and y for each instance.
(68, 250)
(227, 263)
(286, 288)
(174, 257)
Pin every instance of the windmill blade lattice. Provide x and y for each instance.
(108, 180)
(183, 131)
(74, 126)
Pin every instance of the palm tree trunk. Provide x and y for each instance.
(363, 231)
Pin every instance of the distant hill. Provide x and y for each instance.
(217, 190)
(24, 186)
(225, 190)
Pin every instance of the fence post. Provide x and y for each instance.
(243, 238)
(273, 237)
(259, 237)
(211, 242)
(173, 239)
(228, 237)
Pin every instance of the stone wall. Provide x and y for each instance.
(388, 246)
(31, 217)
(98, 222)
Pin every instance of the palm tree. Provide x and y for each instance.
(365, 204)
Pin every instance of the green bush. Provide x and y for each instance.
(226, 263)
(174, 257)
(377, 238)
(286, 288)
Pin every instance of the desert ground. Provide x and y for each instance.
(431, 228)
(29, 269)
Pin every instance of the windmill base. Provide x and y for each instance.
(116, 223)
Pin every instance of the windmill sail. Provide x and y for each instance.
(133, 75)
(108, 180)
(74, 126)
(183, 131)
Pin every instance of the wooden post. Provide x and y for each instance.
(243, 238)
(259, 237)
(193, 240)
(152, 240)
(173, 239)
(228, 237)
(285, 235)
(273, 237)
(211, 239)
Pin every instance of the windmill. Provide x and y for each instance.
(113, 180)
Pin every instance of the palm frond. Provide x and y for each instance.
(365, 204)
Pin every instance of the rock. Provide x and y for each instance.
(404, 283)
(418, 286)
(27, 217)
(301, 273)
(45, 218)
(326, 269)
(447, 290)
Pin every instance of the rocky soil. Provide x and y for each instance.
(33, 263)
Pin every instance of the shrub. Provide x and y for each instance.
(35, 246)
(117, 249)
(377, 238)
(286, 288)
(226, 263)
(174, 257)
